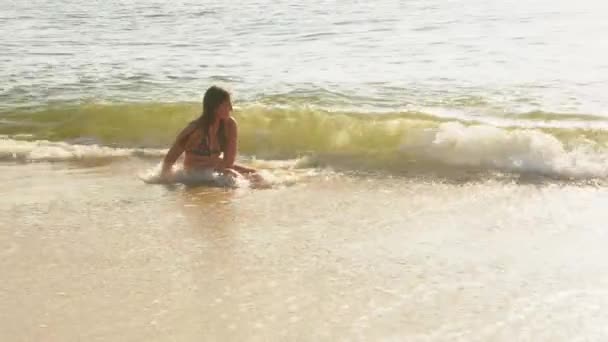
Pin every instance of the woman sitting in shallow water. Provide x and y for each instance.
(210, 142)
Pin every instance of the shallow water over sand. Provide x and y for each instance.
(95, 254)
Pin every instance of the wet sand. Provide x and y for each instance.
(94, 254)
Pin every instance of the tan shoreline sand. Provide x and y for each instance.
(94, 254)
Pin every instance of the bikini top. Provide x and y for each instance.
(203, 149)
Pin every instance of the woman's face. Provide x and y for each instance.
(223, 111)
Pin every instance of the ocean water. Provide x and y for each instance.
(434, 170)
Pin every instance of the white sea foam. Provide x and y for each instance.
(516, 150)
(43, 150)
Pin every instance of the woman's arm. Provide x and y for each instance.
(230, 154)
(231, 144)
(177, 149)
(174, 152)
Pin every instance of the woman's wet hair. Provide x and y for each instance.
(214, 97)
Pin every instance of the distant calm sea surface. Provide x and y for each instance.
(470, 54)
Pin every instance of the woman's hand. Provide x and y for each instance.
(166, 176)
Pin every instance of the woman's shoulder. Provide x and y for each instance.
(188, 130)
(230, 122)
